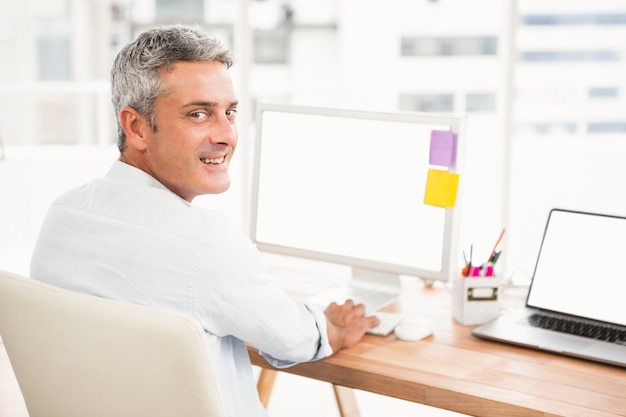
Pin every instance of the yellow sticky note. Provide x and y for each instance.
(441, 187)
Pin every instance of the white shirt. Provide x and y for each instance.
(128, 237)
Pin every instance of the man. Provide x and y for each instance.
(134, 235)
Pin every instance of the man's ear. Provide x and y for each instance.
(135, 126)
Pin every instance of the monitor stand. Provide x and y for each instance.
(374, 289)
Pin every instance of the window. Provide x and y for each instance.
(573, 19)
(118, 12)
(480, 102)
(547, 128)
(427, 102)
(445, 46)
(271, 47)
(606, 127)
(569, 56)
(53, 128)
(603, 92)
(53, 49)
(180, 10)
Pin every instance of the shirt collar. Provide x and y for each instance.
(121, 171)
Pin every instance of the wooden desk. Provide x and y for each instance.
(456, 371)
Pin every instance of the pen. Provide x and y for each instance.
(493, 256)
(466, 267)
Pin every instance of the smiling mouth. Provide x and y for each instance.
(213, 161)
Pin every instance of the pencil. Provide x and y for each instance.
(496, 246)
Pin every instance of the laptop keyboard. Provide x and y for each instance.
(593, 331)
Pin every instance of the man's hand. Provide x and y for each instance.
(347, 324)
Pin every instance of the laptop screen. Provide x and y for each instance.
(580, 269)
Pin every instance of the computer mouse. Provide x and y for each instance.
(412, 329)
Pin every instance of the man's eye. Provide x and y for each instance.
(197, 115)
(231, 113)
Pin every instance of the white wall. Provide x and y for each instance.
(30, 178)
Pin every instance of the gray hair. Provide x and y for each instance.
(135, 74)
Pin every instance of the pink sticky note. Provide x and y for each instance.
(442, 147)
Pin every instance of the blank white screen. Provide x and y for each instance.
(348, 187)
(580, 270)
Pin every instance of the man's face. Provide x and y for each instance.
(195, 137)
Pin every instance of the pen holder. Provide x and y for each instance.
(475, 300)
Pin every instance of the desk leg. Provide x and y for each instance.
(346, 401)
(265, 384)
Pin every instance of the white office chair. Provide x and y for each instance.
(76, 355)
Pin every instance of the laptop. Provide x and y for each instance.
(576, 302)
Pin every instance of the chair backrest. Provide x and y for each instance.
(76, 355)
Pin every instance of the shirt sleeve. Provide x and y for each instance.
(324, 348)
(236, 297)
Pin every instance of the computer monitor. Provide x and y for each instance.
(348, 186)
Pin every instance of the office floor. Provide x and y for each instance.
(292, 394)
